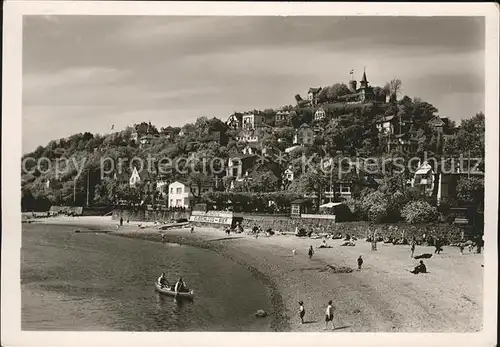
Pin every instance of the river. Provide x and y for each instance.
(96, 282)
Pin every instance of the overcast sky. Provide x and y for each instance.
(85, 73)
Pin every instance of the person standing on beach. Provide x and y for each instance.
(311, 252)
(412, 248)
(360, 262)
(302, 312)
(461, 246)
(121, 221)
(192, 229)
(329, 314)
(163, 238)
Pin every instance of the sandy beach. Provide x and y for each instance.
(382, 297)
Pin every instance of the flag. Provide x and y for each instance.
(351, 72)
(112, 127)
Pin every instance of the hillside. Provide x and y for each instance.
(86, 166)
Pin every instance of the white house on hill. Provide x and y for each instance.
(181, 195)
(319, 114)
(424, 178)
(135, 178)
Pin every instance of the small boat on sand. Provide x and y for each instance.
(169, 291)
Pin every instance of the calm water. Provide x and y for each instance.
(88, 281)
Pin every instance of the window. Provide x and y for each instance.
(171, 190)
(345, 188)
(178, 202)
(171, 202)
(179, 191)
(295, 209)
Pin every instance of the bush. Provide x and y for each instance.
(375, 207)
(417, 212)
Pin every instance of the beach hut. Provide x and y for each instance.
(339, 209)
(301, 206)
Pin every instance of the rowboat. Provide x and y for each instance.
(169, 291)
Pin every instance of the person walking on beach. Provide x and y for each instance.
(163, 238)
(121, 221)
(302, 312)
(461, 247)
(360, 262)
(311, 252)
(412, 248)
(192, 229)
(437, 244)
(329, 315)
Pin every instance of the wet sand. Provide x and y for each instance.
(383, 297)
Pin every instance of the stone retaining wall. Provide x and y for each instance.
(150, 216)
(451, 233)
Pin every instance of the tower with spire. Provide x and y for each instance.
(365, 91)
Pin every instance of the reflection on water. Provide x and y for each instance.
(84, 281)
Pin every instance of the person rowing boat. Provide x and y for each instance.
(180, 286)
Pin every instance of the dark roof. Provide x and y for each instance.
(386, 119)
(205, 182)
(436, 120)
(363, 79)
(237, 115)
(122, 176)
(315, 90)
(145, 175)
(241, 157)
(304, 125)
(301, 201)
(253, 145)
(282, 111)
(347, 96)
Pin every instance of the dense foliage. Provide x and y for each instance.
(347, 130)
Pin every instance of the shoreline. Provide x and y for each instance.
(383, 297)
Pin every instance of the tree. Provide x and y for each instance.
(375, 207)
(311, 182)
(469, 137)
(418, 212)
(470, 190)
(393, 88)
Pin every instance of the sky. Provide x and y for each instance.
(87, 73)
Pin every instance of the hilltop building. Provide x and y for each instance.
(312, 95)
(253, 120)
(281, 116)
(234, 121)
(362, 94)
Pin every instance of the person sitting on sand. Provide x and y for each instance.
(420, 268)
(180, 286)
